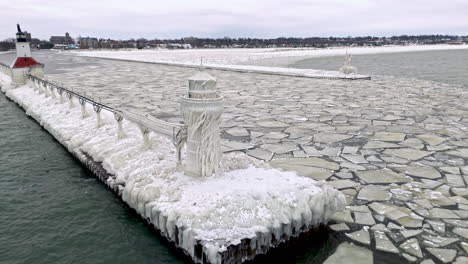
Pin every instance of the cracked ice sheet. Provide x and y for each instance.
(247, 197)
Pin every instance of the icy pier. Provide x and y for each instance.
(291, 72)
(243, 210)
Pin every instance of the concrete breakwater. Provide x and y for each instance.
(177, 205)
(290, 72)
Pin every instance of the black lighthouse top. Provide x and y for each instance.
(20, 36)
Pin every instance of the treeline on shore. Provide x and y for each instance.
(317, 42)
(226, 42)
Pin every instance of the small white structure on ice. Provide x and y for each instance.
(24, 62)
(347, 68)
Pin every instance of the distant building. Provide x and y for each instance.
(45, 45)
(89, 43)
(62, 40)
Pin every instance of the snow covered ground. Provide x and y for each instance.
(246, 198)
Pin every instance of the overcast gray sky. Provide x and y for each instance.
(121, 19)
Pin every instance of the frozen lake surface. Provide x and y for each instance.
(397, 147)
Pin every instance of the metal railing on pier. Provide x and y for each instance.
(175, 131)
(80, 97)
(5, 69)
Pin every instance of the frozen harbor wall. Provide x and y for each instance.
(250, 59)
(245, 210)
(291, 72)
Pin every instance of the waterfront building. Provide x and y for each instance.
(89, 43)
(63, 40)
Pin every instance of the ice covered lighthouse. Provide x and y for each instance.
(24, 62)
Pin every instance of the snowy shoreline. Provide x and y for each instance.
(248, 201)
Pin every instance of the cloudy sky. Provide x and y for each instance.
(123, 19)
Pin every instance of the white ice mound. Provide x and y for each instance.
(346, 69)
(246, 200)
(222, 210)
(236, 204)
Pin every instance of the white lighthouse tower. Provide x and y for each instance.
(24, 62)
(202, 110)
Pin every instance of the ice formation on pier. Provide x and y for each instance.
(246, 200)
(347, 68)
(202, 111)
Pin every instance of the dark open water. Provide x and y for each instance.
(52, 211)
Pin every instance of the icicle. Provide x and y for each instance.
(52, 93)
(146, 140)
(60, 92)
(39, 87)
(70, 100)
(97, 109)
(46, 90)
(98, 120)
(120, 132)
(35, 85)
(179, 141)
(84, 112)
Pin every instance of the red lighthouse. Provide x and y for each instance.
(24, 62)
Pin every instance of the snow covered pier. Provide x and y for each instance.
(291, 72)
(244, 209)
